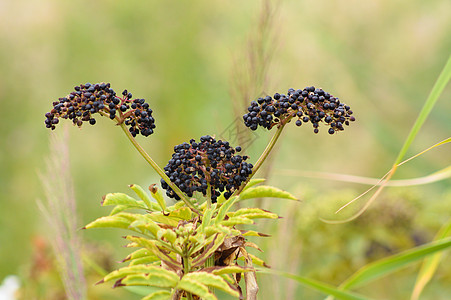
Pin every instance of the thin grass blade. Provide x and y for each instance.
(430, 264)
(393, 263)
(316, 285)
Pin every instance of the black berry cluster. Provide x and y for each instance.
(194, 166)
(308, 105)
(89, 99)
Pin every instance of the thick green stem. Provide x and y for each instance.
(263, 156)
(157, 168)
(186, 270)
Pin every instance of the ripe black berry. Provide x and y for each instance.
(308, 105)
(88, 99)
(195, 165)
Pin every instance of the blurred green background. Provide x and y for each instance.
(380, 57)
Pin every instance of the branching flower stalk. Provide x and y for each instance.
(157, 168)
(188, 253)
(263, 156)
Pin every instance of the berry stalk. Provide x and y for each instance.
(157, 168)
(263, 156)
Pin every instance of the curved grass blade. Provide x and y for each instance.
(316, 285)
(436, 176)
(393, 263)
(435, 93)
(430, 264)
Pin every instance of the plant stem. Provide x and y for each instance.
(186, 270)
(263, 156)
(157, 168)
(208, 194)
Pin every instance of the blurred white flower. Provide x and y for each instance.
(9, 287)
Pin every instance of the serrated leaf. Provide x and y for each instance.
(160, 295)
(120, 199)
(119, 208)
(258, 261)
(196, 288)
(145, 197)
(220, 270)
(116, 221)
(224, 209)
(253, 182)
(206, 218)
(160, 279)
(137, 254)
(152, 246)
(210, 230)
(160, 218)
(209, 250)
(146, 225)
(236, 221)
(147, 260)
(265, 191)
(183, 213)
(253, 213)
(253, 233)
(143, 270)
(158, 196)
(141, 290)
(211, 280)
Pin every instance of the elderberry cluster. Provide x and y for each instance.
(195, 166)
(88, 99)
(308, 105)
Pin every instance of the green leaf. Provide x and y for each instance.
(140, 254)
(253, 182)
(143, 270)
(183, 213)
(141, 290)
(160, 295)
(160, 218)
(316, 285)
(196, 288)
(143, 195)
(265, 191)
(220, 270)
(147, 260)
(209, 250)
(137, 254)
(236, 221)
(211, 280)
(120, 208)
(159, 279)
(257, 260)
(253, 213)
(121, 199)
(224, 209)
(253, 233)
(393, 263)
(211, 230)
(206, 218)
(120, 220)
(158, 196)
